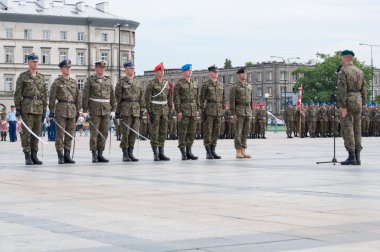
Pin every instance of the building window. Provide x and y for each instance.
(204, 79)
(63, 35)
(45, 56)
(80, 36)
(294, 77)
(8, 84)
(283, 91)
(269, 76)
(9, 53)
(27, 51)
(124, 57)
(104, 37)
(259, 77)
(80, 84)
(222, 79)
(80, 58)
(230, 79)
(104, 56)
(259, 92)
(28, 34)
(250, 77)
(270, 91)
(8, 33)
(63, 54)
(124, 39)
(133, 38)
(45, 35)
(283, 75)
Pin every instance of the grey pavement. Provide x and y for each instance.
(280, 200)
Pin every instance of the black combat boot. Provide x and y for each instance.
(357, 156)
(161, 154)
(155, 153)
(351, 160)
(94, 156)
(183, 153)
(125, 155)
(216, 156)
(67, 157)
(28, 160)
(35, 158)
(130, 153)
(101, 158)
(189, 154)
(208, 153)
(61, 160)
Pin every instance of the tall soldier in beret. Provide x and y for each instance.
(158, 99)
(186, 102)
(351, 96)
(99, 101)
(131, 105)
(241, 109)
(31, 101)
(212, 102)
(64, 106)
(289, 119)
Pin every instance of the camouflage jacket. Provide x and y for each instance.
(352, 92)
(129, 97)
(98, 89)
(155, 92)
(31, 95)
(66, 92)
(241, 99)
(212, 98)
(365, 113)
(261, 115)
(289, 114)
(186, 97)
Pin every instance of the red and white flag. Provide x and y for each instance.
(299, 101)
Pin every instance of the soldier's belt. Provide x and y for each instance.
(100, 100)
(37, 98)
(214, 101)
(243, 103)
(129, 100)
(66, 101)
(160, 102)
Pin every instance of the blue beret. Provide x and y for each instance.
(322, 103)
(347, 52)
(186, 67)
(311, 103)
(65, 63)
(32, 57)
(129, 64)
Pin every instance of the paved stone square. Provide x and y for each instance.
(280, 200)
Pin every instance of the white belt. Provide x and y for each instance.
(160, 102)
(99, 100)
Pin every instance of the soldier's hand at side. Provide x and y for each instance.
(179, 116)
(343, 112)
(112, 114)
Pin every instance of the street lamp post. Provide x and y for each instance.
(266, 96)
(286, 74)
(119, 49)
(362, 44)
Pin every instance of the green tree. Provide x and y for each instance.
(319, 81)
(249, 64)
(227, 64)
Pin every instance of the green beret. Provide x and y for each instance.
(347, 52)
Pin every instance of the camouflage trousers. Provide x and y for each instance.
(159, 130)
(28, 141)
(312, 126)
(62, 140)
(241, 131)
(289, 127)
(211, 130)
(102, 124)
(186, 131)
(128, 137)
(352, 131)
(262, 127)
(365, 126)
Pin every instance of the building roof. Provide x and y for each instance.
(35, 12)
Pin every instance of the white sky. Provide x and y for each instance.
(206, 32)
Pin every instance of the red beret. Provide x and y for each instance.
(159, 67)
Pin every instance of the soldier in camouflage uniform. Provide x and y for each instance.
(253, 122)
(289, 119)
(158, 99)
(240, 104)
(229, 126)
(186, 101)
(324, 119)
(65, 92)
(99, 102)
(173, 124)
(352, 95)
(365, 120)
(311, 116)
(118, 129)
(261, 116)
(130, 107)
(30, 99)
(300, 114)
(212, 101)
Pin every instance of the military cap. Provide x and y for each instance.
(186, 67)
(311, 103)
(347, 52)
(129, 64)
(32, 57)
(100, 63)
(213, 68)
(65, 63)
(241, 70)
(159, 67)
(322, 103)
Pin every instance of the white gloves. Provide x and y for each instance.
(112, 114)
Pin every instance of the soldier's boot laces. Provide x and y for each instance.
(130, 153)
(183, 153)
(125, 155)
(67, 157)
(245, 155)
(101, 158)
(35, 158)
(155, 153)
(60, 157)
(94, 156)
(189, 154)
(357, 156)
(216, 156)
(351, 160)
(208, 153)
(239, 154)
(161, 154)
(28, 160)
